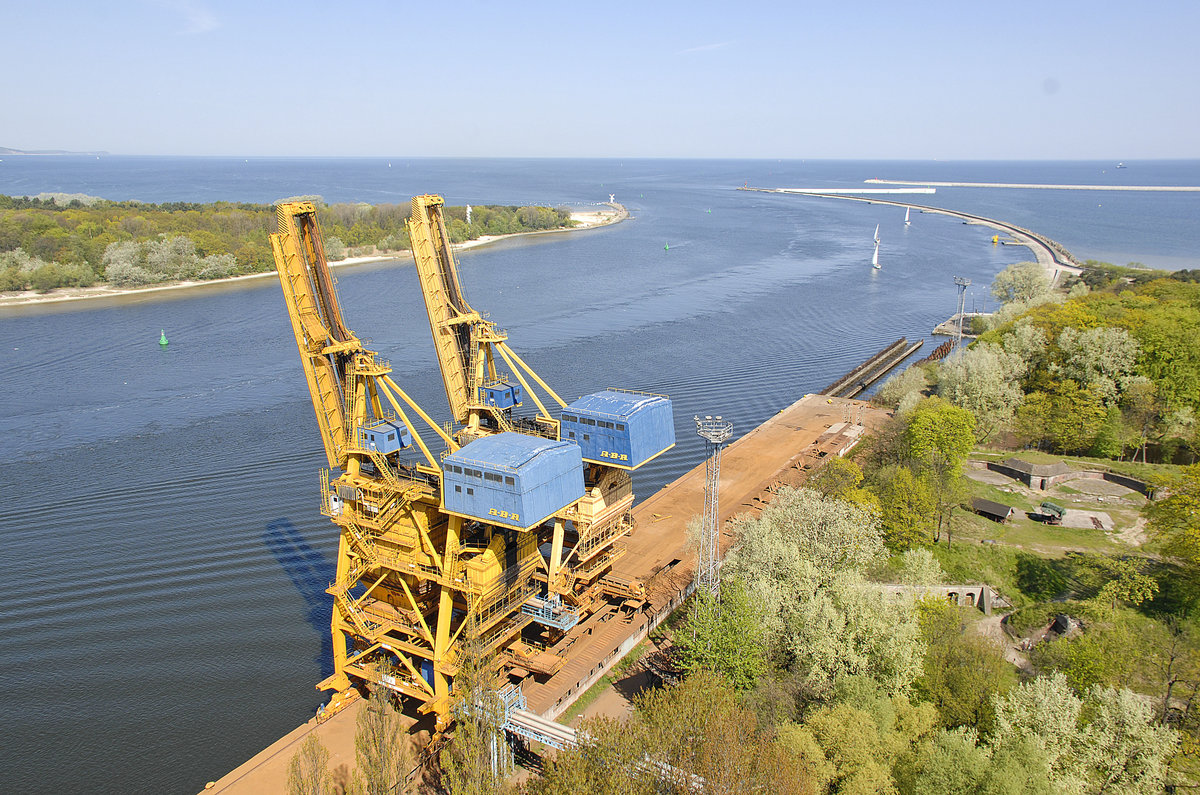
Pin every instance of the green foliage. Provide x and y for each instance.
(908, 507)
(920, 567)
(308, 769)
(802, 562)
(985, 379)
(961, 672)
(939, 435)
(73, 242)
(1023, 281)
(380, 746)
(840, 479)
(694, 729)
(1176, 518)
(724, 636)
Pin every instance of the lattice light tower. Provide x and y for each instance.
(963, 284)
(715, 431)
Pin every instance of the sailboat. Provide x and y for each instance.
(875, 256)
(906, 211)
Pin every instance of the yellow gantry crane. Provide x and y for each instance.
(437, 547)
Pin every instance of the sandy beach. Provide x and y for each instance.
(585, 219)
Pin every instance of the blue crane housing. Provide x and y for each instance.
(619, 427)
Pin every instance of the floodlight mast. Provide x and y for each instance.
(715, 431)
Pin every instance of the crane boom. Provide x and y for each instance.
(457, 329)
(326, 345)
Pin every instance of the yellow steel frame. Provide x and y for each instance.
(407, 581)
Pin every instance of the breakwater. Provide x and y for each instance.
(1040, 186)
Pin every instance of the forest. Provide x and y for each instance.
(80, 241)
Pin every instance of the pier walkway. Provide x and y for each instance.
(1050, 255)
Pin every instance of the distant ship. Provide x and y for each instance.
(875, 256)
(1120, 165)
(906, 211)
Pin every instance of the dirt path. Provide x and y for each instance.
(990, 627)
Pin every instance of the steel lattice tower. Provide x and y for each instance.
(714, 431)
(963, 284)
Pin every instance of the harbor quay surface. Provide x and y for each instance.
(781, 451)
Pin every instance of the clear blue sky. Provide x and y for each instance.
(901, 79)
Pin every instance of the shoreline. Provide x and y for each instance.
(587, 219)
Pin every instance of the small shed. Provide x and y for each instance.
(996, 511)
(619, 428)
(511, 479)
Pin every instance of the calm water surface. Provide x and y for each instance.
(163, 584)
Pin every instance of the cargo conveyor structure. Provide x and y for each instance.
(499, 527)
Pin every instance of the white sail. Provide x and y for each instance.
(875, 256)
(906, 221)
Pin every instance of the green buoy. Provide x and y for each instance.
(162, 338)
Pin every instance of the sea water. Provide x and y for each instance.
(165, 565)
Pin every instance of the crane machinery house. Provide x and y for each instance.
(511, 479)
(502, 395)
(387, 436)
(619, 428)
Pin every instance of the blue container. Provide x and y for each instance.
(502, 395)
(511, 479)
(386, 436)
(619, 428)
(427, 671)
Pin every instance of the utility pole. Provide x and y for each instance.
(715, 431)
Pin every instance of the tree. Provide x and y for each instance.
(920, 567)
(308, 772)
(724, 636)
(1101, 359)
(1044, 713)
(985, 379)
(609, 760)
(678, 736)
(1023, 281)
(1121, 747)
(904, 387)
(380, 746)
(839, 479)
(961, 672)
(801, 562)
(1176, 518)
(1126, 585)
(939, 436)
(467, 761)
(851, 628)
(1076, 416)
(699, 729)
(908, 507)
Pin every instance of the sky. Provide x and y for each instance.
(864, 80)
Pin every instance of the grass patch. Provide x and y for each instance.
(589, 696)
